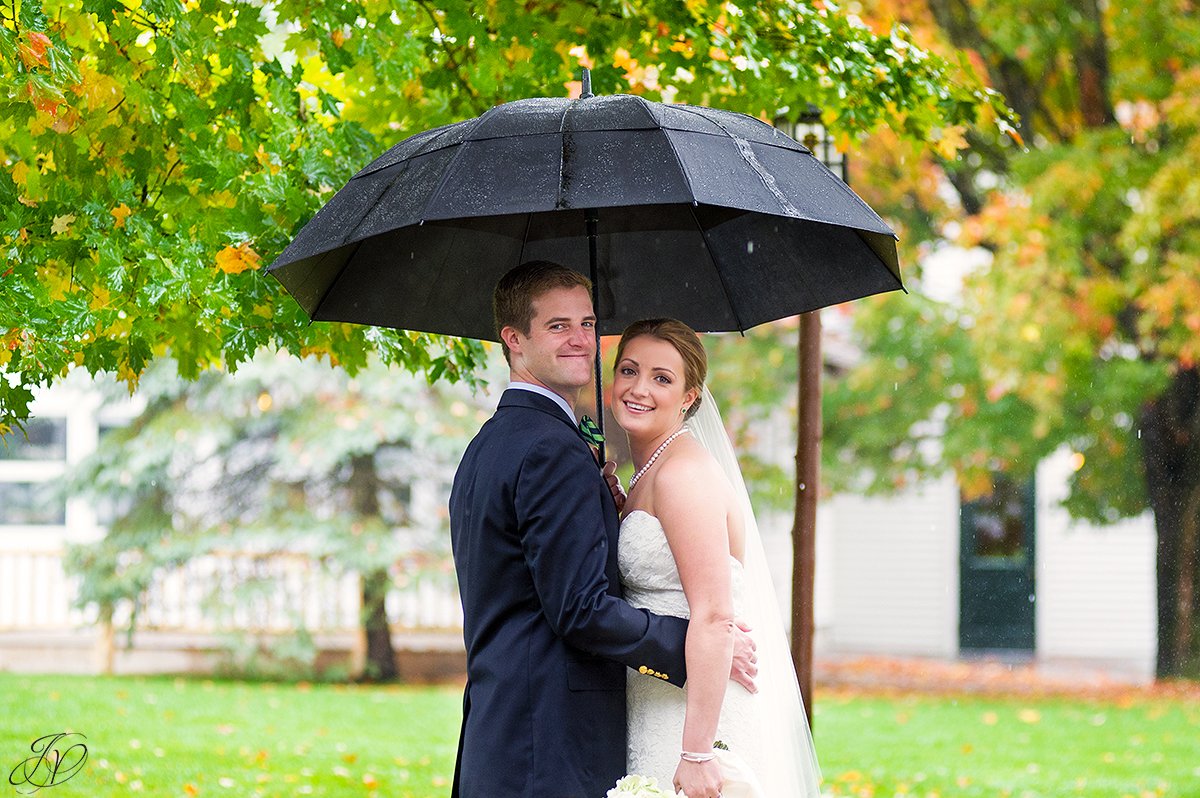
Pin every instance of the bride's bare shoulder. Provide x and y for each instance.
(692, 471)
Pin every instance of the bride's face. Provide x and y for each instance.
(649, 392)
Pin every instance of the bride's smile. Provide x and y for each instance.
(649, 392)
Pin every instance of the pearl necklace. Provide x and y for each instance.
(634, 479)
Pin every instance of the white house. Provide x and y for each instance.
(918, 574)
(923, 574)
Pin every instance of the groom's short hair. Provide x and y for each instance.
(512, 301)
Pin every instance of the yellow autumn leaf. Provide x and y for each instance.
(120, 214)
(20, 173)
(318, 74)
(57, 281)
(580, 53)
(951, 141)
(62, 224)
(96, 89)
(100, 297)
(235, 260)
(518, 52)
(622, 59)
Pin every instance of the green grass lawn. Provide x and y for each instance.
(181, 737)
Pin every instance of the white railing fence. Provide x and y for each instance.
(228, 591)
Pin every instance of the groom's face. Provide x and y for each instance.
(560, 349)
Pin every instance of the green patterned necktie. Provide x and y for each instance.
(590, 432)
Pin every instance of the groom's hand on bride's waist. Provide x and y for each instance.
(614, 484)
(745, 660)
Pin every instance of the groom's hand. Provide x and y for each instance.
(745, 659)
(614, 484)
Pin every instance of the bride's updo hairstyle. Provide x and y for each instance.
(686, 343)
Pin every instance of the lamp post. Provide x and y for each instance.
(810, 132)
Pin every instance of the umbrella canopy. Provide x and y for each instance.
(712, 217)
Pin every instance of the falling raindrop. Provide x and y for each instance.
(750, 247)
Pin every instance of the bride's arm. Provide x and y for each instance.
(691, 508)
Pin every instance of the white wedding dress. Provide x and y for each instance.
(770, 750)
(656, 708)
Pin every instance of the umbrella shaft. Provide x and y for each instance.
(592, 216)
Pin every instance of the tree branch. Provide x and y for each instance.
(454, 65)
(958, 20)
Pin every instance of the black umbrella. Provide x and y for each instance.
(712, 217)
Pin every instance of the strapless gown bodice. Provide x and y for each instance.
(649, 575)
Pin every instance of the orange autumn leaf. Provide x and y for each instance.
(120, 214)
(33, 50)
(235, 260)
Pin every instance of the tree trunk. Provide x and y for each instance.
(381, 656)
(1091, 67)
(1171, 454)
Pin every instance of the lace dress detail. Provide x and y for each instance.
(656, 709)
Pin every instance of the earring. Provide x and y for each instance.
(683, 411)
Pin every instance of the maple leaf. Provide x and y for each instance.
(33, 50)
(120, 214)
(951, 141)
(62, 224)
(20, 173)
(235, 260)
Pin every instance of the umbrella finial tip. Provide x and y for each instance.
(586, 79)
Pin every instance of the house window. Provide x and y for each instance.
(32, 504)
(42, 439)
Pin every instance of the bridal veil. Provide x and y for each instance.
(789, 752)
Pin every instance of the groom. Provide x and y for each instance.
(534, 532)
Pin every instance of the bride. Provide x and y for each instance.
(689, 547)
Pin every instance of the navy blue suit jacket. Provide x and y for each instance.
(548, 637)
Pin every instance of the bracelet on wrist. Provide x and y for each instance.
(691, 756)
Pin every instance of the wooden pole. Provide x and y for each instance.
(804, 525)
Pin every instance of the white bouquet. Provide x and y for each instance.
(635, 786)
